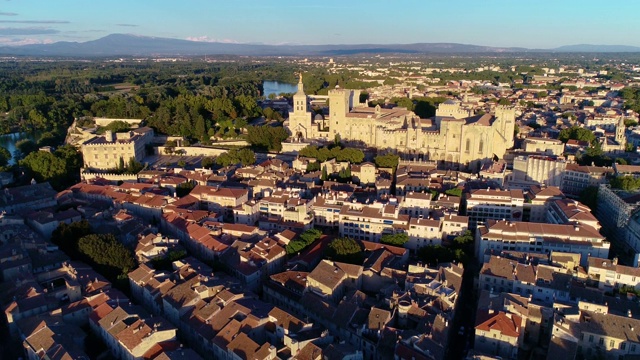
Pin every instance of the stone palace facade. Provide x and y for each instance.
(454, 135)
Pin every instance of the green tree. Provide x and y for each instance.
(345, 250)
(303, 241)
(397, 239)
(271, 114)
(165, 262)
(106, 251)
(71, 156)
(45, 166)
(66, 236)
(433, 255)
(352, 155)
(324, 176)
(589, 197)
(387, 161)
(626, 182)
(267, 137)
(245, 157)
(5, 156)
(208, 162)
(26, 147)
(134, 166)
(576, 133)
(200, 129)
(454, 192)
(504, 101)
(464, 241)
(115, 126)
(121, 165)
(184, 189)
(313, 166)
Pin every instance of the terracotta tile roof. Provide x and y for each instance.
(506, 324)
(309, 352)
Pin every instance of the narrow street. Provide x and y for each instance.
(465, 316)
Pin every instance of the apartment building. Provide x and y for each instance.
(610, 275)
(499, 334)
(538, 201)
(423, 232)
(567, 211)
(326, 208)
(576, 178)
(543, 145)
(219, 199)
(540, 238)
(330, 279)
(285, 206)
(542, 283)
(608, 335)
(370, 222)
(485, 204)
(416, 204)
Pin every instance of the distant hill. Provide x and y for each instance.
(134, 45)
(597, 48)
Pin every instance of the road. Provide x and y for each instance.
(465, 316)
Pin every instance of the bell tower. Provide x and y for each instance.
(300, 118)
(620, 130)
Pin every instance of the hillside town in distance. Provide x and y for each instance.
(426, 212)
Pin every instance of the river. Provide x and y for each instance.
(274, 87)
(8, 141)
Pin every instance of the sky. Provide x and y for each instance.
(503, 23)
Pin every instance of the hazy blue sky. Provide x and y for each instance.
(533, 24)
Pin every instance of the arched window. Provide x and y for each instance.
(467, 147)
(481, 146)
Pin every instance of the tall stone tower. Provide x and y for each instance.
(300, 118)
(620, 129)
(338, 108)
(506, 123)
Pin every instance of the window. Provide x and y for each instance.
(612, 343)
(467, 145)
(481, 146)
(623, 346)
(601, 341)
(590, 338)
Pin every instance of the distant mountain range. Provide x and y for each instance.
(134, 45)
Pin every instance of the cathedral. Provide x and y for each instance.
(454, 136)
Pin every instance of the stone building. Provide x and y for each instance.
(105, 152)
(454, 135)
